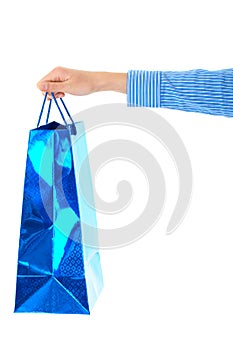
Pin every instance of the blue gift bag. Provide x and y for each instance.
(57, 272)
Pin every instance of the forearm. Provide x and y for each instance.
(106, 81)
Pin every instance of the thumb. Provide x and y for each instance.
(52, 86)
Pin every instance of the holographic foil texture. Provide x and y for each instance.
(57, 272)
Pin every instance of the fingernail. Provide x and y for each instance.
(44, 87)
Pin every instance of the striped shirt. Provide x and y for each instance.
(198, 90)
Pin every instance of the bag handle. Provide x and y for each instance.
(73, 128)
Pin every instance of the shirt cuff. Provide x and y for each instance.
(143, 88)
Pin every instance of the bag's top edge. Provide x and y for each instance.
(53, 126)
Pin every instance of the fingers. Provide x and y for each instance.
(55, 87)
(64, 80)
(57, 95)
(55, 81)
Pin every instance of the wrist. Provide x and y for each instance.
(106, 81)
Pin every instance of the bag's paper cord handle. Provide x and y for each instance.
(42, 109)
(48, 113)
(73, 129)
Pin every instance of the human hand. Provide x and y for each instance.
(78, 82)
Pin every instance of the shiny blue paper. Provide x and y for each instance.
(57, 272)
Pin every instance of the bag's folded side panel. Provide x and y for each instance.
(92, 264)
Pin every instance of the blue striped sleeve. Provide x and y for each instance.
(197, 90)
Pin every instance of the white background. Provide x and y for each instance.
(162, 292)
